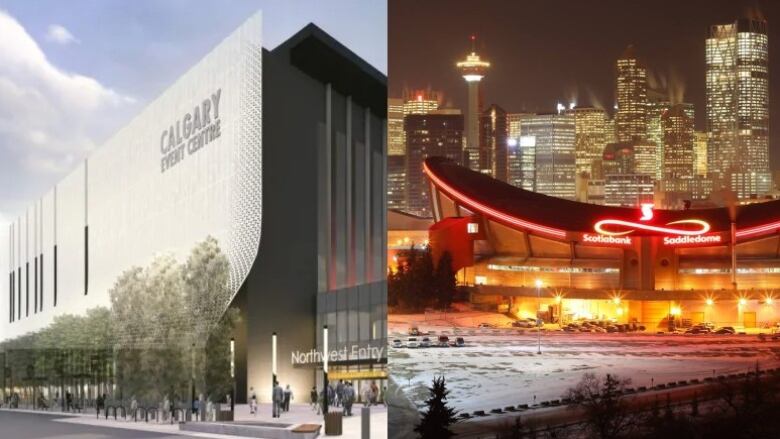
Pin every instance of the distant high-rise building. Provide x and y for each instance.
(678, 145)
(631, 115)
(493, 143)
(737, 58)
(473, 69)
(396, 143)
(590, 136)
(514, 151)
(439, 133)
(657, 105)
(420, 101)
(700, 153)
(628, 190)
(553, 138)
(618, 158)
(396, 182)
(527, 155)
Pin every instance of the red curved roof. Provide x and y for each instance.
(524, 209)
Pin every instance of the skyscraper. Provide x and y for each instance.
(396, 144)
(493, 142)
(737, 58)
(631, 115)
(658, 104)
(552, 136)
(420, 101)
(590, 136)
(700, 153)
(439, 133)
(515, 151)
(678, 145)
(396, 182)
(473, 69)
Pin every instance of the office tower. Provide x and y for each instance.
(420, 101)
(473, 69)
(628, 190)
(514, 151)
(552, 136)
(527, 156)
(658, 104)
(737, 81)
(700, 153)
(396, 144)
(678, 144)
(631, 115)
(493, 143)
(590, 136)
(610, 133)
(439, 133)
(618, 158)
(396, 182)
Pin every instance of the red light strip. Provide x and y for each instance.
(759, 230)
(489, 211)
(599, 227)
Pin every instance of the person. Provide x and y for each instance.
(98, 404)
(287, 397)
(252, 401)
(201, 407)
(134, 407)
(374, 392)
(339, 393)
(68, 401)
(349, 399)
(278, 400)
(313, 396)
(331, 394)
(384, 396)
(209, 410)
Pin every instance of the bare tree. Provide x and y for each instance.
(607, 414)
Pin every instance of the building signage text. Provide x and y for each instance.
(191, 133)
(683, 240)
(354, 352)
(606, 239)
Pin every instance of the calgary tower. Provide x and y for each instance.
(473, 69)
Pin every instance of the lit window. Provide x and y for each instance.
(472, 228)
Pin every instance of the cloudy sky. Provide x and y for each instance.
(72, 73)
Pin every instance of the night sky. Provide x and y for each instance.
(543, 52)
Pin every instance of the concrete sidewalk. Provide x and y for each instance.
(298, 414)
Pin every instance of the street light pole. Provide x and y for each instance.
(233, 375)
(273, 369)
(325, 370)
(538, 323)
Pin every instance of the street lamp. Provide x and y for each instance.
(273, 368)
(538, 322)
(233, 374)
(325, 370)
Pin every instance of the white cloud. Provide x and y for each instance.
(58, 34)
(48, 117)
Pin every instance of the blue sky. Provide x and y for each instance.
(73, 72)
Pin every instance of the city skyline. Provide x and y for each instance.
(534, 65)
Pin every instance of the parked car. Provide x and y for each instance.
(397, 343)
(522, 324)
(726, 330)
(412, 342)
(444, 341)
(459, 342)
(486, 325)
(425, 343)
(413, 331)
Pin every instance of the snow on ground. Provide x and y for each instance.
(500, 367)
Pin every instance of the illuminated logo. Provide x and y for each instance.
(616, 227)
(684, 240)
(606, 239)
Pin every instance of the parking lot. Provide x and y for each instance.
(499, 366)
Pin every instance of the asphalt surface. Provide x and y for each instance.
(16, 425)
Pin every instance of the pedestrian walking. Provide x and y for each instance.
(313, 396)
(339, 393)
(288, 395)
(349, 399)
(278, 400)
(252, 401)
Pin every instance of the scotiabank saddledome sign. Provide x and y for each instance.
(681, 232)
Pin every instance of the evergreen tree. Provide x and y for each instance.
(445, 284)
(435, 423)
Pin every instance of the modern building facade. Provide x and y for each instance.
(213, 156)
(737, 81)
(656, 268)
(553, 138)
(590, 136)
(396, 143)
(678, 145)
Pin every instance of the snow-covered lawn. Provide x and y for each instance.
(500, 367)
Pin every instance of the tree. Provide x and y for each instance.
(445, 286)
(607, 414)
(436, 421)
